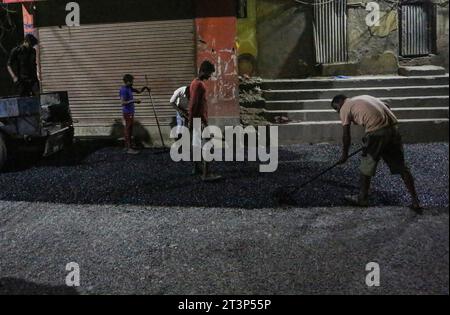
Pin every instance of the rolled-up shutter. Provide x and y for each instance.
(90, 61)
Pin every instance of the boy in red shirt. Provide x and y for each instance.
(198, 108)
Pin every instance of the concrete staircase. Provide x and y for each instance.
(420, 102)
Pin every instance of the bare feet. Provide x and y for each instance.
(211, 178)
(133, 152)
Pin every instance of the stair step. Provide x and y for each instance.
(421, 70)
(371, 81)
(431, 130)
(394, 102)
(433, 90)
(330, 115)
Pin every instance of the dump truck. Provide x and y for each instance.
(42, 124)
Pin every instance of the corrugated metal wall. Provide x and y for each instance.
(90, 61)
(415, 34)
(330, 31)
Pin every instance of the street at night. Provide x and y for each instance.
(141, 233)
(226, 155)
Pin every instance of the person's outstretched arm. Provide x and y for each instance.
(12, 61)
(145, 88)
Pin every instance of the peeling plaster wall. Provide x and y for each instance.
(374, 51)
(442, 37)
(216, 42)
(285, 39)
(286, 42)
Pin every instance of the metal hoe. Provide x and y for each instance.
(282, 194)
(156, 115)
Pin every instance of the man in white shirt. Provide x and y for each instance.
(180, 101)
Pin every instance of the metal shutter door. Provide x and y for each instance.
(330, 31)
(415, 30)
(90, 61)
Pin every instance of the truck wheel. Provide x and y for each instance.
(3, 152)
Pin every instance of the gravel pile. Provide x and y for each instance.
(100, 173)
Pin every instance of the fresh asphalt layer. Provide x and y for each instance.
(97, 173)
(143, 225)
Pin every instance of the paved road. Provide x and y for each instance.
(148, 250)
(136, 225)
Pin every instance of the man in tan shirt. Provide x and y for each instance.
(382, 141)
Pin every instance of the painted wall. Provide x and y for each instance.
(284, 33)
(376, 50)
(373, 50)
(442, 36)
(285, 39)
(247, 42)
(216, 41)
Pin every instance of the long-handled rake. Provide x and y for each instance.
(164, 148)
(283, 194)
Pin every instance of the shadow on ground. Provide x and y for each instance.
(72, 156)
(99, 172)
(12, 286)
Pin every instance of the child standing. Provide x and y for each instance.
(128, 109)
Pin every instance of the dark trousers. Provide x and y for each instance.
(25, 88)
(129, 121)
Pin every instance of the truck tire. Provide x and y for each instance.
(3, 152)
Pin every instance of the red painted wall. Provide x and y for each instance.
(27, 9)
(216, 41)
(28, 19)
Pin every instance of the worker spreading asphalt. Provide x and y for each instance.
(95, 172)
